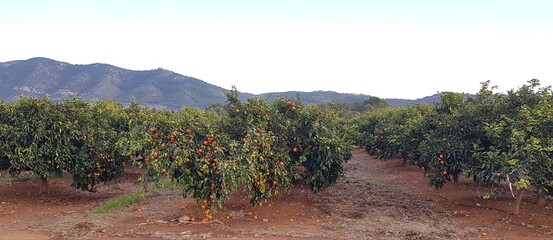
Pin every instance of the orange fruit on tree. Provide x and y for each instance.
(441, 156)
(498, 174)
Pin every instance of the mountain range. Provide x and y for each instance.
(157, 88)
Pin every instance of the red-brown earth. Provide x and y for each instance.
(373, 200)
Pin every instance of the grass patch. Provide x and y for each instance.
(129, 199)
(25, 177)
(376, 181)
(119, 202)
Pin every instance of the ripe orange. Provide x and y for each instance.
(294, 150)
(498, 174)
(444, 172)
(441, 156)
(293, 108)
(442, 162)
(104, 231)
(163, 170)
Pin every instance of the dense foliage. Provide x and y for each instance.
(259, 146)
(498, 139)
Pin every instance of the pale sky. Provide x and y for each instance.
(386, 48)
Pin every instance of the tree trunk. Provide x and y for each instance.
(456, 179)
(516, 211)
(44, 188)
(540, 200)
(404, 157)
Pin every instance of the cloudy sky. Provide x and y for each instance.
(391, 49)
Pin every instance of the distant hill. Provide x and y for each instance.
(158, 88)
(395, 102)
(319, 96)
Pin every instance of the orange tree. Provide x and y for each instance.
(395, 131)
(96, 158)
(37, 138)
(323, 146)
(256, 145)
(186, 148)
(495, 138)
(305, 138)
(50, 139)
(381, 136)
(522, 146)
(259, 132)
(4, 161)
(447, 149)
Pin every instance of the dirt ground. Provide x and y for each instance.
(374, 200)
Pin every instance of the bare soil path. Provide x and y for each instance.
(373, 200)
